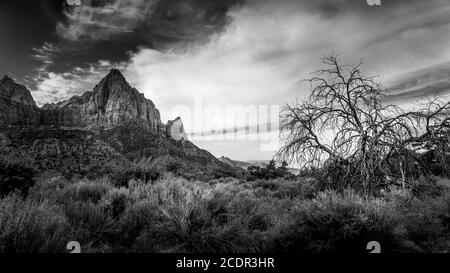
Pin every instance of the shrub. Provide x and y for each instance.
(425, 188)
(192, 228)
(120, 177)
(334, 223)
(177, 215)
(93, 223)
(116, 201)
(32, 227)
(48, 185)
(281, 188)
(172, 214)
(15, 176)
(423, 222)
(85, 190)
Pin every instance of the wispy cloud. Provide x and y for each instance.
(426, 82)
(45, 54)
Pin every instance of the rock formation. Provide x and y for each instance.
(111, 123)
(112, 102)
(175, 129)
(17, 106)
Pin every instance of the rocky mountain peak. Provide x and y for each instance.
(114, 72)
(112, 86)
(6, 78)
(114, 77)
(6, 81)
(114, 102)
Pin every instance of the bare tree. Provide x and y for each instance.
(345, 124)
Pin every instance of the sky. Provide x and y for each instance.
(209, 61)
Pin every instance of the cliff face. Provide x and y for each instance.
(15, 92)
(17, 106)
(113, 102)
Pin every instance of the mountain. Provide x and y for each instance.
(113, 102)
(256, 163)
(244, 164)
(114, 125)
(235, 163)
(17, 106)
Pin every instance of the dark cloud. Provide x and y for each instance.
(158, 22)
(112, 30)
(188, 20)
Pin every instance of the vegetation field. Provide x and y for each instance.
(173, 214)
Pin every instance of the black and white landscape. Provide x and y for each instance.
(224, 126)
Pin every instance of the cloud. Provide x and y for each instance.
(427, 82)
(155, 21)
(99, 22)
(45, 54)
(268, 46)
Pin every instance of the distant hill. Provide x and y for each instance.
(246, 164)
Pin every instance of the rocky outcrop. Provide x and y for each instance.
(175, 129)
(17, 106)
(113, 102)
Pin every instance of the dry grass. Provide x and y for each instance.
(172, 214)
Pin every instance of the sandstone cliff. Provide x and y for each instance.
(113, 102)
(17, 106)
(175, 129)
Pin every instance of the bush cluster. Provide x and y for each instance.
(172, 214)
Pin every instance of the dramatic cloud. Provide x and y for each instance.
(101, 21)
(267, 47)
(157, 22)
